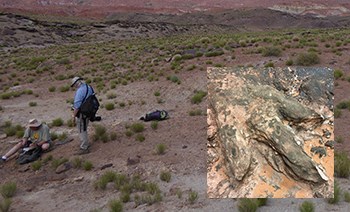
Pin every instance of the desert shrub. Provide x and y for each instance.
(261, 201)
(100, 134)
(113, 136)
(341, 165)
(157, 93)
(28, 92)
(307, 206)
(115, 206)
(214, 53)
(165, 176)
(346, 196)
(339, 139)
(160, 149)
(247, 205)
(198, 96)
(64, 88)
(11, 130)
(111, 95)
(338, 73)
(63, 61)
(36, 165)
(57, 122)
(337, 113)
(192, 196)
(122, 104)
(87, 165)
(271, 51)
(52, 88)
(8, 189)
(109, 106)
(289, 62)
(77, 162)
(174, 79)
(137, 127)
(57, 162)
(32, 104)
(129, 133)
(154, 125)
(140, 137)
(125, 197)
(107, 177)
(337, 195)
(307, 59)
(343, 105)
(179, 193)
(196, 112)
(70, 123)
(48, 158)
(5, 205)
(269, 64)
(53, 136)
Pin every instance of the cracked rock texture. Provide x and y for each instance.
(269, 132)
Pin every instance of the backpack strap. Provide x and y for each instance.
(87, 91)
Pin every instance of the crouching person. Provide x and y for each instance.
(37, 134)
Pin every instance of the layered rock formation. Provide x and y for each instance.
(267, 132)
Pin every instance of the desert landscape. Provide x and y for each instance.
(139, 62)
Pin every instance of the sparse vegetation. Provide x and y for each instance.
(338, 74)
(137, 127)
(341, 164)
(165, 176)
(247, 205)
(36, 165)
(8, 189)
(57, 122)
(100, 133)
(140, 137)
(307, 59)
(192, 197)
(5, 205)
(347, 196)
(197, 112)
(198, 97)
(115, 206)
(271, 51)
(32, 104)
(87, 165)
(160, 149)
(307, 206)
(154, 125)
(109, 106)
(337, 195)
(57, 162)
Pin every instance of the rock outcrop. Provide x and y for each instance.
(265, 130)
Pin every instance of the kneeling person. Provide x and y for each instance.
(37, 134)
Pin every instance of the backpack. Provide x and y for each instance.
(90, 106)
(29, 156)
(156, 115)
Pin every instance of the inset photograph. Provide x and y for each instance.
(270, 133)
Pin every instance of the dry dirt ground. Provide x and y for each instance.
(184, 136)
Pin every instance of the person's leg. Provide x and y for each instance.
(13, 150)
(82, 127)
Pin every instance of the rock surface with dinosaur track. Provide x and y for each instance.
(267, 132)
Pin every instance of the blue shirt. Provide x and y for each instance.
(80, 94)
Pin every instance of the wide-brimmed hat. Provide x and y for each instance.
(75, 80)
(34, 123)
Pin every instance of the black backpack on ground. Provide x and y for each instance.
(29, 156)
(155, 115)
(90, 106)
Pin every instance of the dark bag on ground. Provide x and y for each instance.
(29, 156)
(155, 115)
(90, 107)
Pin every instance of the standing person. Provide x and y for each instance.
(82, 93)
(37, 134)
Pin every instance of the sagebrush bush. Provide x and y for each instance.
(137, 127)
(5, 205)
(36, 165)
(337, 195)
(160, 149)
(154, 125)
(140, 137)
(192, 196)
(109, 106)
(341, 165)
(115, 206)
(87, 165)
(307, 59)
(165, 176)
(271, 51)
(198, 97)
(247, 205)
(307, 206)
(57, 122)
(8, 189)
(100, 134)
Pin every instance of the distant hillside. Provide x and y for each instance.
(105, 8)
